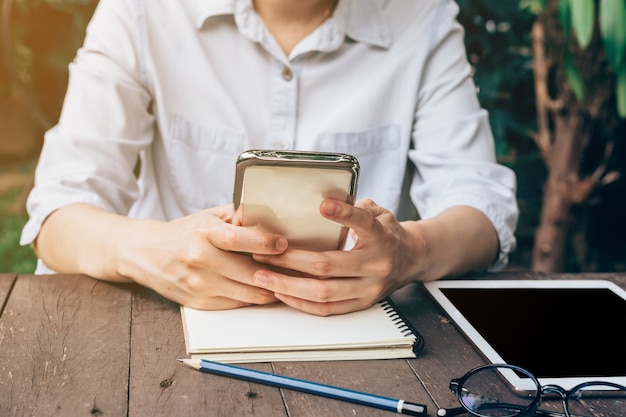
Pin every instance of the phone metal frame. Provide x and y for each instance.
(297, 159)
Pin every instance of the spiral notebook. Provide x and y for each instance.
(277, 332)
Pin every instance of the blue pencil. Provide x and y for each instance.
(280, 381)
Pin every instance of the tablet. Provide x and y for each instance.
(565, 332)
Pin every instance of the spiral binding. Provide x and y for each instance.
(405, 328)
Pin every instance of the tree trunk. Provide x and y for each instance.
(567, 129)
(549, 251)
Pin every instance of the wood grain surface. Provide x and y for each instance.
(74, 346)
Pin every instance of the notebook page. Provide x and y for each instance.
(280, 327)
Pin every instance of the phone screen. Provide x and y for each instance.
(286, 200)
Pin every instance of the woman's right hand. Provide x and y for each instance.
(201, 260)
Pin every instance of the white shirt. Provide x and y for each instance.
(187, 85)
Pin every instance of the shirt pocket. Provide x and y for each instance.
(381, 159)
(202, 162)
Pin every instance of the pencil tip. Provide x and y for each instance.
(179, 360)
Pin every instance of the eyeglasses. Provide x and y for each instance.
(486, 392)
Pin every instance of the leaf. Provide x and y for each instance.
(573, 76)
(533, 6)
(620, 92)
(583, 15)
(612, 20)
(542, 4)
(565, 17)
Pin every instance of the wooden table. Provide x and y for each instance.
(74, 346)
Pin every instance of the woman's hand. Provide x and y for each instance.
(201, 260)
(384, 258)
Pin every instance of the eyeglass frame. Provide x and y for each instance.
(533, 407)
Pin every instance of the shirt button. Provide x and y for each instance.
(287, 74)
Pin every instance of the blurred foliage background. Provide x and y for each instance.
(499, 44)
(40, 37)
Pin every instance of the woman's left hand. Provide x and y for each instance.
(384, 258)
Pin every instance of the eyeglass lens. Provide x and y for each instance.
(597, 400)
(489, 393)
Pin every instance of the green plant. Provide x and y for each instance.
(580, 77)
(13, 257)
(580, 18)
(555, 110)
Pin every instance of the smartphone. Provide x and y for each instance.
(281, 192)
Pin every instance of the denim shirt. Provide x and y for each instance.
(177, 89)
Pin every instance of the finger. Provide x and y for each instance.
(324, 309)
(242, 239)
(221, 302)
(239, 294)
(361, 217)
(214, 303)
(312, 289)
(234, 268)
(224, 212)
(201, 287)
(317, 264)
(205, 292)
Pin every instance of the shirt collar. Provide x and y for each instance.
(360, 20)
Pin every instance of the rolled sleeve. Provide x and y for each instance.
(91, 155)
(453, 144)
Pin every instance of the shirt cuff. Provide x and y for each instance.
(504, 223)
(40, 212)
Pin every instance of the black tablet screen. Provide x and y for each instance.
(551, 332)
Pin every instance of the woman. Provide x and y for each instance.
(135, 181)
